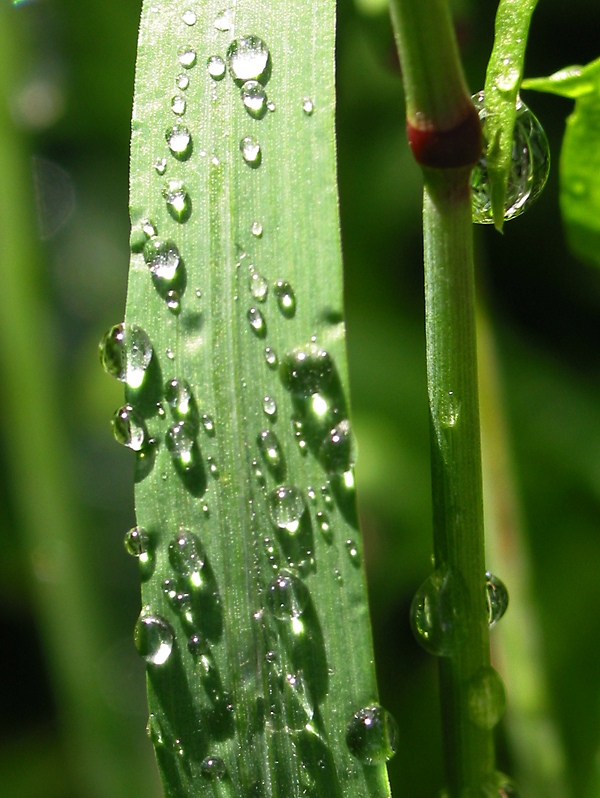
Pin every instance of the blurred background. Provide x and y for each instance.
(66, 84)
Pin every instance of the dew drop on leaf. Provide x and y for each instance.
(353, 552)
(187, 556)
(256, 229)
(180, 443)
(306, 370)
(287, 596)
(372, 735)
(173, 302)
(530, 165)
(162, 258)
(486, 698)
(178, 200)
(254, 98)
(178, 105)
(270, 449)
(496, 597)
(247, 58)
(129, 429)
(160, 166)
(216, 67)
(308, 107)
(125, 352)
(271, 357)
(251, 152)
(153, 637)
(187, 57)
(286, 507)
(286, 299)
(182, 81)
(179, 142)
(137, 542)
(269, 406)
(213, 768)
(259, 287)
(189, 17)
(336, 450)
(435, 613)
(257, 322)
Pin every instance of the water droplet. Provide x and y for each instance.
(336, 451)
(187, 57)
(257, 322)
(212, 467)
(353, 552)
(160, 165)
(496, 596)
(248, 58)
(308, 106)
(153, 637)
(125, 352)
(254, 98)
(251, 151)
(530, 165)
(287, 596)
(173, 302)
(259, 287)
(286, 299)
(270, 449)
(486, 698)
(170, 353)
(258, 474)
(187, 556)
(180, 444)
(372, 735)
(435, 613)
(195, 645)
(216, 67)
(129, 429)
(286, 508)
(178, 105)
(326, 495)
(306, 370)
(269, 406)
(178, 200)
(213, 768)
(224, 20)
(271, 357)
(179, 141)
(182, 81)
(137, 543)
(325, 526)
(162, 258)
(189, 17)
(256, 229)
(507, 82)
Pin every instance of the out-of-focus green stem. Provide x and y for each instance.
(42, 475)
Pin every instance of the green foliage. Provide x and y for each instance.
(580, 155)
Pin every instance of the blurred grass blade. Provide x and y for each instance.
(255, 624)
(502, 81)
(580, 156)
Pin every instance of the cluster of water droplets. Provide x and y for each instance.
(530, 165)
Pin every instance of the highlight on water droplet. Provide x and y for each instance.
(496, 596)
(162, 258)
(248, 59)
(251, 151)
(286, 507)
(129, 428)
(287, 596)
(216, 67)
(306, 370)
(486, 698)
(154, 638)
(530, 165)
(137, 543)
(372, 735)
(187, 57)
(213, 768)
(254, 98)
(125, 352)
(257, 322)
(179, 141)
(178, 200)
(187, 556)
(286, 299)
(435, 613)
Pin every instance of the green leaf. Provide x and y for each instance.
(254, 619)
(580, 156)
(502, 81)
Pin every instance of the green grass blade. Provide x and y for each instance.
(271, 648)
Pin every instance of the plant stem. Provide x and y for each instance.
(456, 462)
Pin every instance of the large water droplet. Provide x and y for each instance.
(187, 57)
(257, 322)
(336, 451)
(180, 399)
(213, 768)
(129, 429)
(435, 613)
(353, 552)
(271, 357)
(153, 637)
(530, 165)
(254, 98)
(259, 287)
(496, 596)
(372, 735)
(178, 200)
(224, 20)
(178, 105)
(216, 67)
(125, 352)
(271, 451)
(163, 259)
(286, 508)
(137, 542)
(287, 596)
(269, 407)
(251, 151)
(486, 698)
(187, 556)
(306, 370)
(256, 229)
(180, 443)
(248, 58)
(179, 141)
(286, 299)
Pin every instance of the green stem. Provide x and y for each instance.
(456, 463)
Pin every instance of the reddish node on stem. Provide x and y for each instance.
(446, 149)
